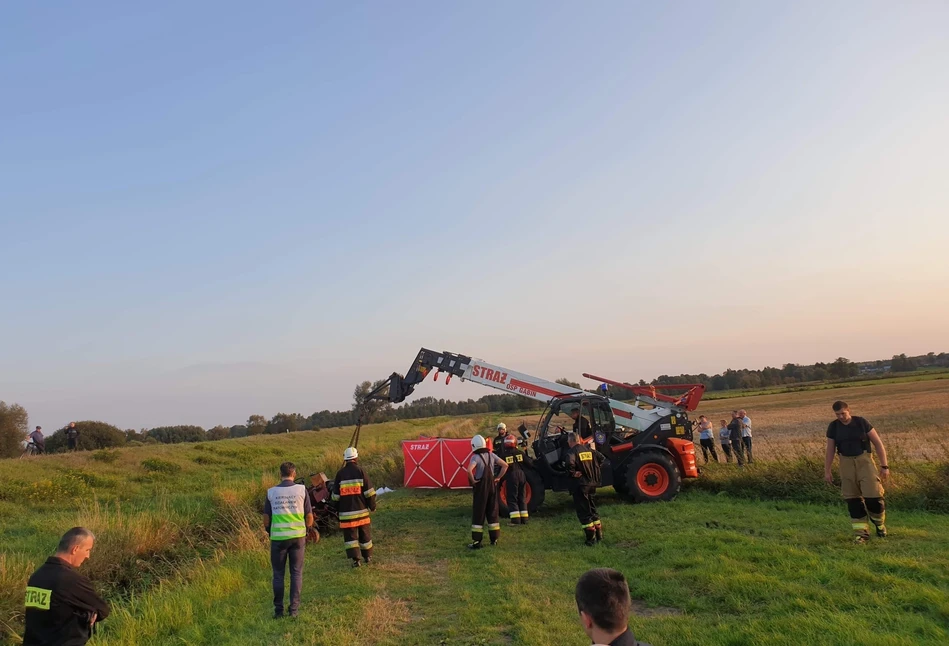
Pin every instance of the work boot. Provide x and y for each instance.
(367, 560)
(356, 563)
(294, 614)
(278, 614)
(590, 542)
(860, 539)
(881, 531)
(477, 545)
(494, 542)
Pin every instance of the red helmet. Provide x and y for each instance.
(510, 441)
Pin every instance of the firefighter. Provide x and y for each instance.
(515, 482)
(356, 498)
(861, 485)
(583, 464)
(498, 441)
(485, 470)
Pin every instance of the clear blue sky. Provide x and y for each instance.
(209, 210)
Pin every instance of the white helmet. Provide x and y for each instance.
(502, 427)
(350, 453)
(477, 442)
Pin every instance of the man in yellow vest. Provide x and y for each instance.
(287, 515)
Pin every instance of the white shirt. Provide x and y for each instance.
(746, 426)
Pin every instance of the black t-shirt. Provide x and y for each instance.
(851, 439)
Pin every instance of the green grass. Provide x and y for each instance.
(181, 554)
(923, 374)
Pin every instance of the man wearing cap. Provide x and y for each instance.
(356, 498)
(287, 516)
(36, 437)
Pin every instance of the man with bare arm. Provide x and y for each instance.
(861, 485)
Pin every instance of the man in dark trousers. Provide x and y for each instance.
(734, 436)
(498, 440)
(485, 470)
(515, 482)
(603, 602)
(861, 485)
(62, 607)
(287, 515)
(356, 498)
(72, 436)
(583, 464)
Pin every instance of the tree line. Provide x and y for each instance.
(98, 435)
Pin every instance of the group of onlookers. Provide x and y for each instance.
(35, 443)
(735, 438)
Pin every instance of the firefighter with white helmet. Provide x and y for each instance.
(485, 470)
(498, 440)
(356, 498)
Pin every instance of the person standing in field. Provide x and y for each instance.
(356, 498)
(583, 465)
(72, 436)
(287, 516)
(62, 607)
(852, 438)
(515, 481)
(485, 470)
(734, 437)
(724, 436)
(706, 438)
(746, 434)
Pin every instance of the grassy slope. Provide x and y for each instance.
(708, 568)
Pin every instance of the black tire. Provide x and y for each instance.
(535, 494)
(650, 477)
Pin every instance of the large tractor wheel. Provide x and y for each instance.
(534, 493)
(650, 477)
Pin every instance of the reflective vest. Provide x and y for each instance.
(288, 518)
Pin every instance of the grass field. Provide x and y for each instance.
(183, 558)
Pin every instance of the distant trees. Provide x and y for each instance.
(376, 410)
(286, 423)
(256, 424)
(902, 363)
(219, 433)
(14, 427)
(177, 434)
(92, 435)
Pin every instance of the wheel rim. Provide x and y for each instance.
(652, 480)
(527, 494)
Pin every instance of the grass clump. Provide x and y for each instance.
(106, 456)
(157, 465)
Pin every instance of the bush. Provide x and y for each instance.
(107, 456)
(92, 435)
(154, 465)
(177, 434)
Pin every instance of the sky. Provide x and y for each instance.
(212, 210)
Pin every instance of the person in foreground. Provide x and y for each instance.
(356, 497)
(851, 437)
(604, 603)
(287, 515)
(485, 470)
(62, 607)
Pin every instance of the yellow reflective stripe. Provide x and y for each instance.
(587, 526)
(351, 482)
(492, 526)
(351, 515)
(515, 514)
(369, 493)
(477, 528)
(38, 598)
(335, 497)
(351, 544)
(861, 526)
(365, 546)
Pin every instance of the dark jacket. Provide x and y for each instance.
(734, 428)
(627, 639)
(497, 444)
(59, 606)
(581, 426)
(516, 460)
(37, 438)
(584, 461)
(355, 495)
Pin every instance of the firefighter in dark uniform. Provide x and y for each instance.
(356, 498)
(583, 464)
(485, 470)
(498, 441)
(515, 482)
(581, 425)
